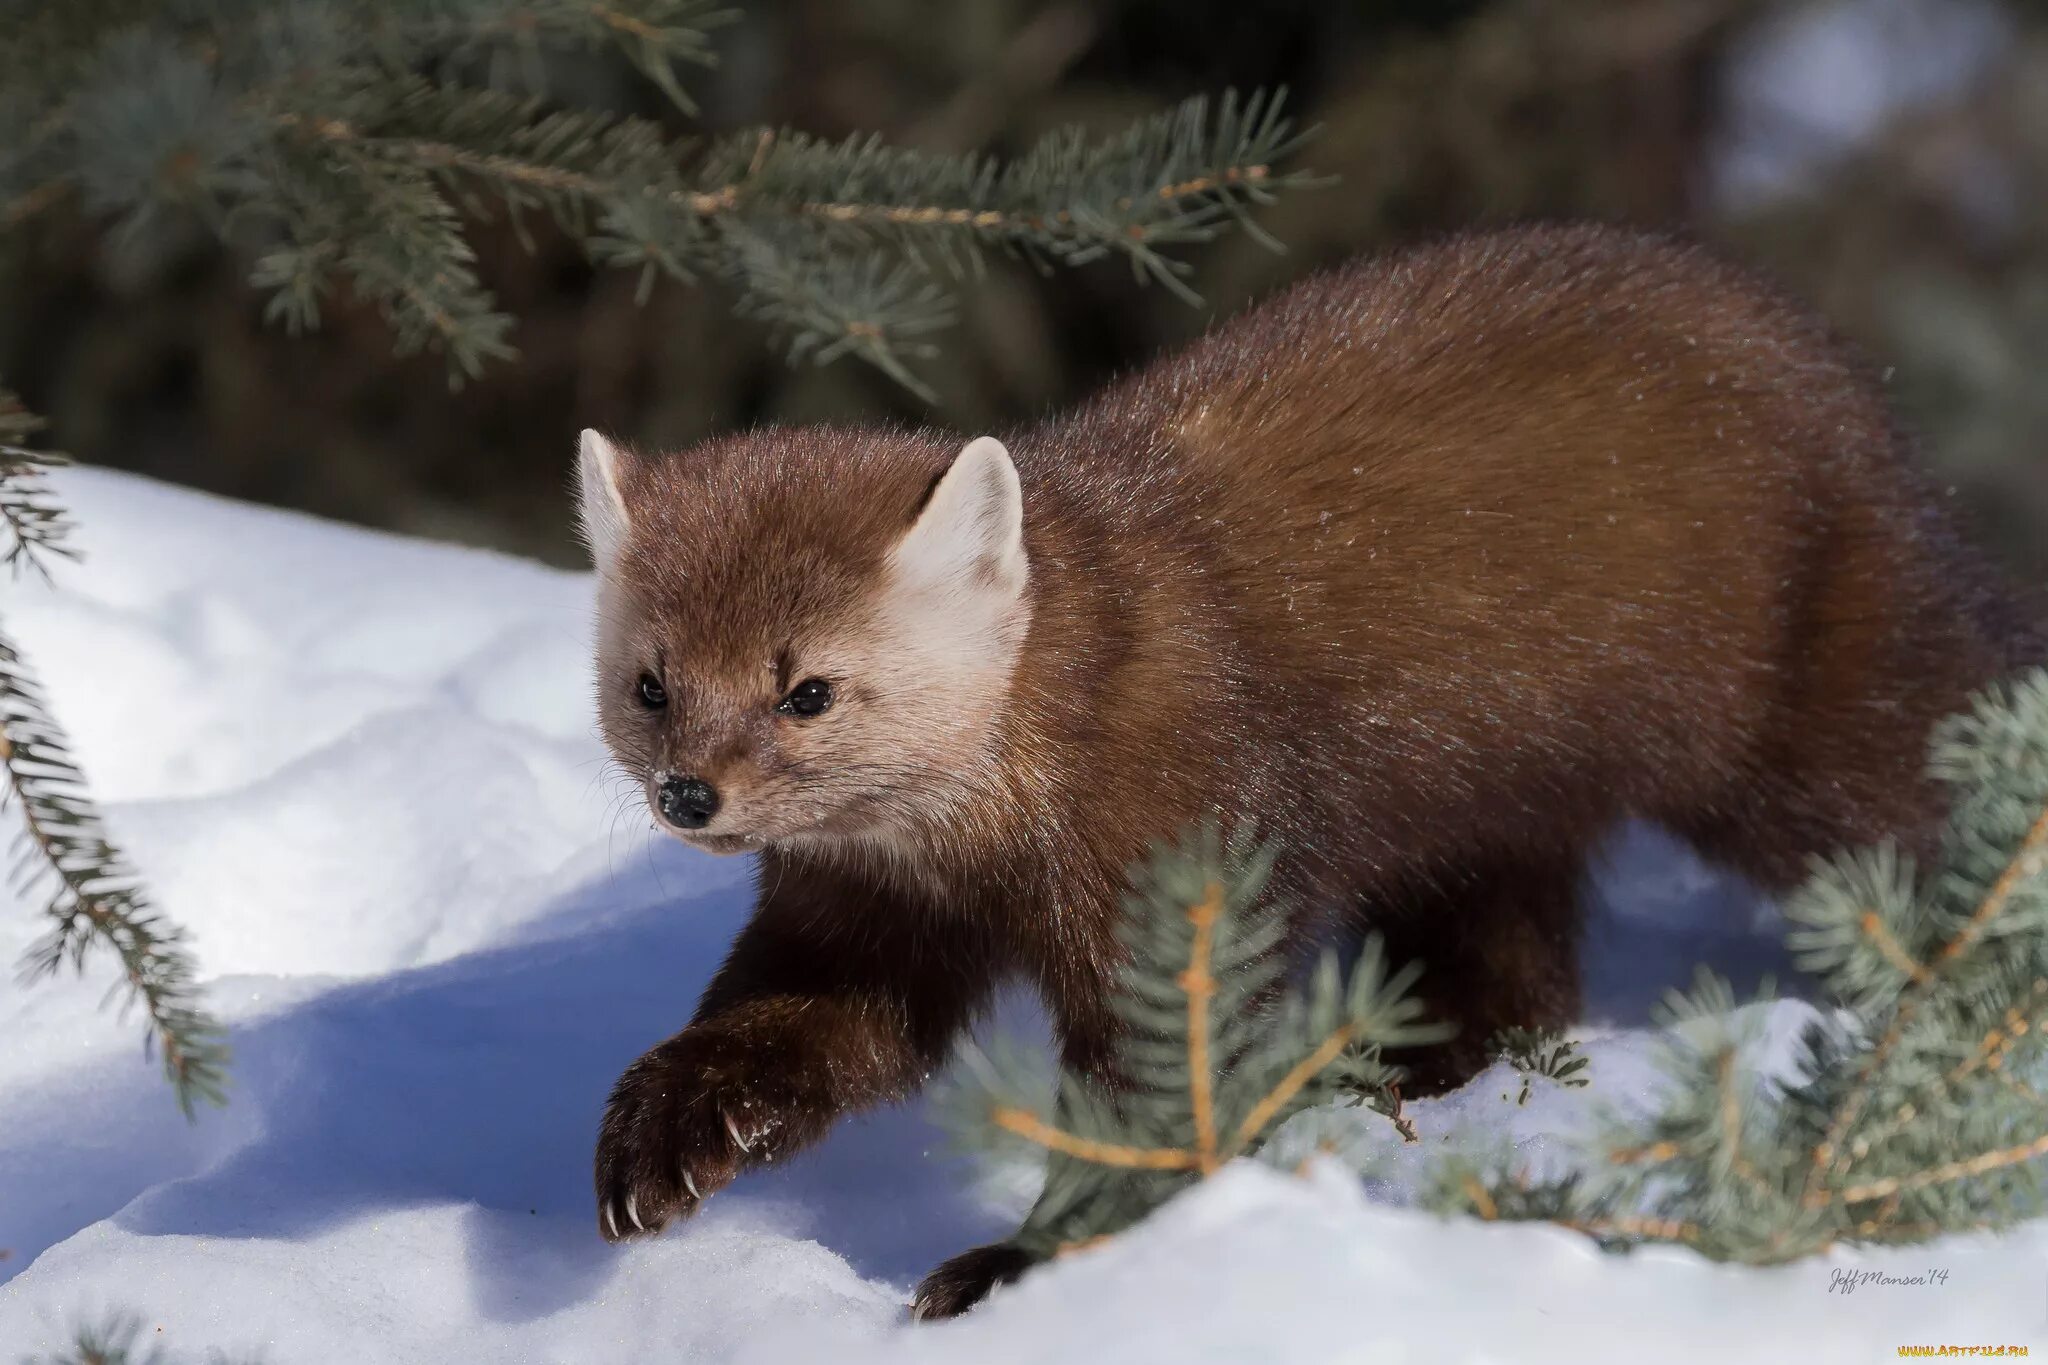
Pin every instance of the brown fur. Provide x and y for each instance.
(1434, 567)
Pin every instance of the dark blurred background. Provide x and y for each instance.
(1886, 159)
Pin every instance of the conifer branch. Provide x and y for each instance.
(95, 898)
(1913, 1111)
(2024, 863)
(1650, 1154)
(349, 155)
(1989, 1054)
(1211, 1045)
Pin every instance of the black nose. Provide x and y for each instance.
(687, 802)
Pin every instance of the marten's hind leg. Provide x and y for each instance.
(1498, 942)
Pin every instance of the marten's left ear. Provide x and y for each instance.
(971, 530)
(600, 504)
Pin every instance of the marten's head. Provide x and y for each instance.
(804, 635)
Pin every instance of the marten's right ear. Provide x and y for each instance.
(600, 504)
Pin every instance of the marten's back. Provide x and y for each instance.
(1566, 515)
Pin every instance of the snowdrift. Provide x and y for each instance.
(362, 771)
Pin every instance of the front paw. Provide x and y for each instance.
(964, 1281)
(682, 1122)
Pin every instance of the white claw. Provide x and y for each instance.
(610, 1220)
(633, 1213)
(734, 1133)
(692, 1187)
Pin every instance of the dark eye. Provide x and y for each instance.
(652, 694)
(811, 697)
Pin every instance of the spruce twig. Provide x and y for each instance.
(1915, 1110)
(1219, 1059)
(2024, 864)
(342, 140)
(95, 900)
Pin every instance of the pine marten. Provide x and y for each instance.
(1432, 567)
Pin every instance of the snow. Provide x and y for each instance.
(362, 770)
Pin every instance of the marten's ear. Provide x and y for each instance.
(599, 504)
(970, 532)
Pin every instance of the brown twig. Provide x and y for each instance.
(1199, 984)
(710, 203)
(987, 220)
(1871, 1230)
(1654, 1154)
(1995, 1044)
(1403, 1125)
(1828, 1152)
(1207, 184)
(1034, 1129)
(762, 146)
(2025, 863)
(1942, 1174)
(626, 23)
(1630, 1225)
(1888, 947)
(1082, 1244)
(1731, 1119)
(2019, 1087)
(1303, 1071)
(918, 215)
